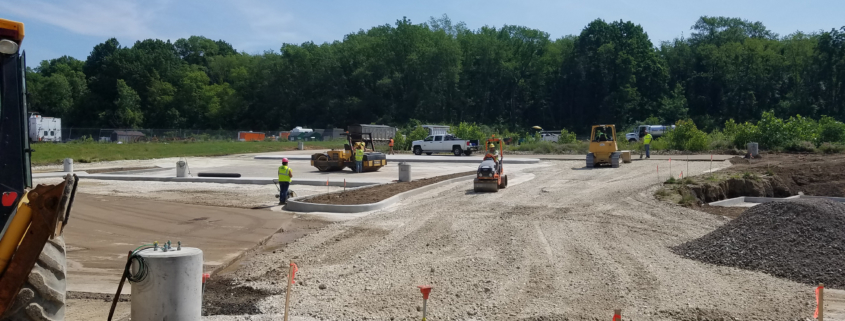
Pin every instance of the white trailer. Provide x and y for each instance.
(436, 129)
(45, 129)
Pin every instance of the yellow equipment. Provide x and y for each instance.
(603, 149)
(32, 248)
(335, 160)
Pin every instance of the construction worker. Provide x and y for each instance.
(492, 153)
(647, 143)
(285, 176)
(390, 152)
(600, 136)
(359, 158)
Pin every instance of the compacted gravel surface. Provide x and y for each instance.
(561, 243)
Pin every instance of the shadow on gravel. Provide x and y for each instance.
(223, 297)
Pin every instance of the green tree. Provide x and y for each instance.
(127, 113)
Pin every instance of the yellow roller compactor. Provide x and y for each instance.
(603, 149)
(32, 250)
(336, 160)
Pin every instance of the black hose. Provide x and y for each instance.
(142, 272)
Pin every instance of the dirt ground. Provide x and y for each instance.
(812, 174)
(102, 228)
(378, 193)
(568, 243)
(770, 175)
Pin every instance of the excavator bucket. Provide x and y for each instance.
(486, 185)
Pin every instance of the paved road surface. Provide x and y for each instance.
(560, 242)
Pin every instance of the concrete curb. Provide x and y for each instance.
(56, 174)
(417, 159)
(760, 200)
(294, 204)
(219, 180)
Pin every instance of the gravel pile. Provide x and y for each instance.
(801, 240)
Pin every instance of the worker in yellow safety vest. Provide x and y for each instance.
(285, 175)
(647, 143)
(359, 158)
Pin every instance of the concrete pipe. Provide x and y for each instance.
(181, 169)
(68, 165)
(404, 172)
(172, 289)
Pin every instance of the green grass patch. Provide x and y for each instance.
(49, 153)
(546, 147)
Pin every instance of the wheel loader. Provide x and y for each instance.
(32, 250)
(336, 160)
(490, 176)
(603, 148)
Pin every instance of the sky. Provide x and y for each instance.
(61, 27)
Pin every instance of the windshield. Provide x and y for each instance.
(603, 134)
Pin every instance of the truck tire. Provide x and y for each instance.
(417, 150)
(457, 151)
(42, 296)
(632, 140)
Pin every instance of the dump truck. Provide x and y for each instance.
(603, 148)
(336, 160)
(32, 249)
(655, 131)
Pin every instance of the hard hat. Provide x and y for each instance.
(492, 146)
(284, 160)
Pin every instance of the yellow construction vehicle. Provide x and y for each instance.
(32, 249)
(603, 149)
(335, 160)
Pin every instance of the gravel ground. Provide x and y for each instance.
(566, 244)
(801, 240)
(379, 193)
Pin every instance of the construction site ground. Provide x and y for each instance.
(561, 242)
(564, 243)
(378, 193)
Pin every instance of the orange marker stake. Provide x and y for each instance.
(425, 290)
(819, 314)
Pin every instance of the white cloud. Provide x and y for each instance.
(102, 18)
(268, 26)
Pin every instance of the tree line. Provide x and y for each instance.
(511, 77)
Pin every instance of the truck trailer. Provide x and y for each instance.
(45, 129)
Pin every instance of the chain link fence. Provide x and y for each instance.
(124, 136)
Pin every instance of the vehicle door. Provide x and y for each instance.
(438, 143)
(428, 143)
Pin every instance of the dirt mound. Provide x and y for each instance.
(800, 240)
(375, 194)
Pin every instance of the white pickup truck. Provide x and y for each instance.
(444, 143)
(654, 130)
